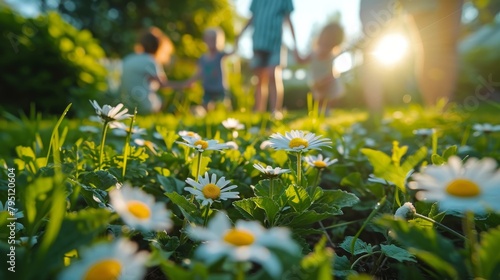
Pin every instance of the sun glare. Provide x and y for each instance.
(391, 49)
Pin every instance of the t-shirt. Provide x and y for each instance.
(212, 74)
(136, 87)
(267, 22)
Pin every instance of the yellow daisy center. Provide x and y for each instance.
(203, 144)
(319, 164)
(297, 142)
(239, 237)
(211, 191)
(463, 188)
(104, 270)
(139, 209)
(190, 133)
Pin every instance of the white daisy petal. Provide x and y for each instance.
(460, 187)
(139, 209)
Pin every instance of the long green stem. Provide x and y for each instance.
(372, 214)
(318, 177)
(271, 188)
(207, 211)
(103, 140)
(471, 243)
(126, 148)
(441, 225)
(198, 166)
(240, 271)
(299, 169)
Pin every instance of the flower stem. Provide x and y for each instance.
(271, 188)
(441, 225)
(207, 210)
(198, 166)
(240, 271)
(299, 169)
(318, 177)
(103, 139)
(471, 243)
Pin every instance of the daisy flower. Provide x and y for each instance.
(269, 171)
(246, 241)
(183, 133)
(202, 145)
(233, 124)
(116, 260)
(139, 209)
(209, 190)
(121, 129)
(298, 141)
(109, 113)
(407, 211)
(424, 132)
(232, 145)
(265, 144)
(485, 128)
(319, 162)
(470, 186)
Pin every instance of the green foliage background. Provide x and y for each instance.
(47, 61)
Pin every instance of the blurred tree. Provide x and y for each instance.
(115, 22)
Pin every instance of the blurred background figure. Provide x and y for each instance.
(322, 77)
(433, 28)
(267, 21)
(143, 74)
(210, 70)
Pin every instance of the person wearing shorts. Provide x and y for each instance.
(267, 21)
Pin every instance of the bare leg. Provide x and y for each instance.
(275, 89)
(437, 56)
(261, 89)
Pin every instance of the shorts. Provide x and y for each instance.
(263, 59)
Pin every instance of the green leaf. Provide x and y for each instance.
(249, 210)
(426, 244)
(338, 198)
(171, 184)
(397, 253)
(389, 168)
(317, 265)
(488, 252)
(298, 198)
(189, 210)
(342, 267)
(269, 206)
(437, 159)
(360, 247)
(100, 179)
(450, 151)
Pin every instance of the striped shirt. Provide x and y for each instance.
(267, 22)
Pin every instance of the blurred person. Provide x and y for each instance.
(322, 77)
(434, 28)
(210, 70)
(267, 21)
(143, 74)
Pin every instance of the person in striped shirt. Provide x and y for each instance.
(267, 21)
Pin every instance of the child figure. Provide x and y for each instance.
(322, 78)
(143, 74)
(210, 69)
